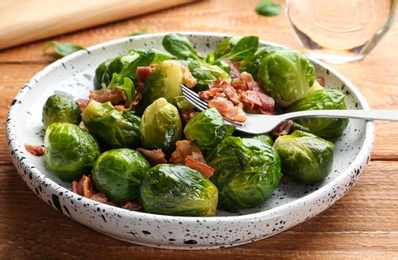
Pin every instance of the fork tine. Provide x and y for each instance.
(193, 98)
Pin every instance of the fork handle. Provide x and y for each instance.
(386, 115)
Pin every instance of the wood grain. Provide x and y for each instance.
(29, 20)
(361, 225)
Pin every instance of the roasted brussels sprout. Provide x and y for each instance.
(161, 126)
(286, 75)
(178, 190)
(247, 171)
(318, 100)
(267, 138)
(61, 109)
(164, 82)
(112, 128)
(69, 151)
(251, 64)
(207, 129)
(118, 173)
(305, 157)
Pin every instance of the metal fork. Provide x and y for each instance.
(258, 124)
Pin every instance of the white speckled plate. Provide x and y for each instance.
(291, 203)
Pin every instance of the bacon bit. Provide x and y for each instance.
(133, 206)
(254, 100)
(321, 81)
(154, 157)
(227, 109)
(203, 168)
(183, 149)
(35, 149)
(142, 73)
(188, 79)
(116, 96)
(82, 102)
(100, 197)
(235, 72)
(188, 154)
(283, 128)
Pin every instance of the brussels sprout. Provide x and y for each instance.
(207, 129)
(61, 109)
(164, 82)
(318, 100)
(171, 189)
(305, 157)
(286, 75)
(161, 126)
(267, 138)
(112, 128)
(251, 64)
(118, 173)
(247, 171)
(69, 151)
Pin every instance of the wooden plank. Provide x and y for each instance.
(30, 20)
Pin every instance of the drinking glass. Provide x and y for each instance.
(340, 31)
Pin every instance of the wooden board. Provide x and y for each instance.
(23, 21)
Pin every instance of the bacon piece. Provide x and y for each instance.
(201, 167)
(254, 100)
(188, 79)
(35, 149)
(82, 102)
(227, 109)
(188, 154)
(142, 73)
(100, 197)
(154, 157)
(85, 187)
(133, 206)
(283, 128)
(235, 72)
(116, 96)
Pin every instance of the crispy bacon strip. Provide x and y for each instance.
(188, 154)
(116, 96)
(227, 109)
(35, 149)
(154, 157)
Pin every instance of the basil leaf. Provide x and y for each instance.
(140, 32)
(268, 8)
(62, 49)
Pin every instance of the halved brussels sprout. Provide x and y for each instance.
(318, 100)
(286, 75)
(69, 151)
(112, 128)
(247, 171)
(305, 157)
(207, 129)
(178, 190)
(161, 126)
(164, 82)
(118, 173)
(61, 109)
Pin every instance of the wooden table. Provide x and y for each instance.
(363, 224)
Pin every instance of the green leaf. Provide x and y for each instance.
(140, 32)
(244, 48)
(179, 45)
(62, 49)
(268, 8)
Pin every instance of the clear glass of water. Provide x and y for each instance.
(340, 31)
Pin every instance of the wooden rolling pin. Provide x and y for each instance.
(23, 21)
